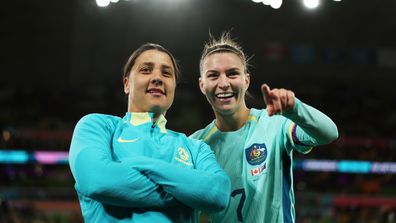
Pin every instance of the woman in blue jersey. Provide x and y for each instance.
(134, 169)
(255, 146)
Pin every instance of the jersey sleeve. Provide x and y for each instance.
(196, 135)
(98, 177)
(309, 127)
(206, 188)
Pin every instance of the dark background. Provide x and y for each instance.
(61, 60)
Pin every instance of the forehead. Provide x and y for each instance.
(218, 61)
(154, 57)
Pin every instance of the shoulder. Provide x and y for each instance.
(97, 117)
(96, 120)
(197, 134)
(203, 133)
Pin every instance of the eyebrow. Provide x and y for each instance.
(233, 69)
(229, 70)
(151, 64)
(166, 66)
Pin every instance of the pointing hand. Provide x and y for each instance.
(277, 100)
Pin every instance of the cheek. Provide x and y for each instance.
(242, 84)
(171, 89)
(136, 90)
(139, 83)
(206, 90)
(209, 86)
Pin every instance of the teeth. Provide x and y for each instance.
(225, 95)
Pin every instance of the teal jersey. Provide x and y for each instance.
(258, 158)
(135, 170)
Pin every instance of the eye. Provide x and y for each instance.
(233, 73)
(212, 75)
(167, 73)
(145, 70)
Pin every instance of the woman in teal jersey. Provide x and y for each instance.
(255, 146)
(134, 169)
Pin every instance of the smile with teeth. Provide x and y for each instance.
(224, 95)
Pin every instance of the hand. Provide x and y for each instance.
(277, 100)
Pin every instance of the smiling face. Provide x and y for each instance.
(224, 82)
(151, 83)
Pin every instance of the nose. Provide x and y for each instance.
(156, 80)
(223, 82)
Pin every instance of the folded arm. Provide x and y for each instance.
(99, 177)
(206, 188)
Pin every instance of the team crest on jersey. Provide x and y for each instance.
(183, 156)
(256, 154)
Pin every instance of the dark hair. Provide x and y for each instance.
(225, 44)
(149, 46)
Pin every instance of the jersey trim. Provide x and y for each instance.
(210, 133)
(214, 128)
(252, 118)
(286, 188)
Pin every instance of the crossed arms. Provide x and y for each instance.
(142, 181)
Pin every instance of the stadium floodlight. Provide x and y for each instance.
(256, 1)
(114, 1)
(266, 2)
(102, 3)
(311, 4)
(276, 4)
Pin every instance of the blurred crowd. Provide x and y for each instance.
(43, 119)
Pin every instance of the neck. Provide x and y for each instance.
(232, 122)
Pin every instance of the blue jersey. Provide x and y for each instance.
(135, 170)
(258, 158)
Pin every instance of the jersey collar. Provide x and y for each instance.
(140, 118)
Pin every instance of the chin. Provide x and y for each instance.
(225, 111)
(158, 109)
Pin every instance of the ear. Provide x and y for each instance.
(247, 80)
(201, 86)
(126, 85)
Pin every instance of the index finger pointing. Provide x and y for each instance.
(265, 89)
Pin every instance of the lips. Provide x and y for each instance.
(155, 91)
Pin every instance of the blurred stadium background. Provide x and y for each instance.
(61, 60)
